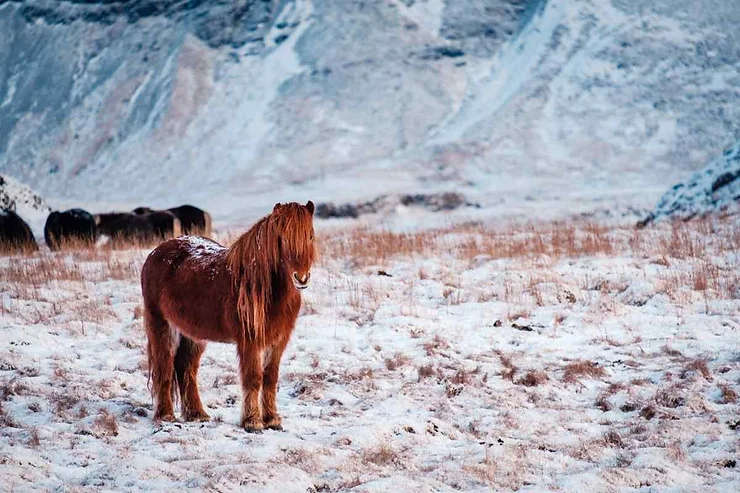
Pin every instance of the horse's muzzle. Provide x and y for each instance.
(301, 282)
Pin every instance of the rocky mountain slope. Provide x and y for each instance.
(239, 104)
(19, 198)
(715, 187)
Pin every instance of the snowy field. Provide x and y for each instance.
(550, 357)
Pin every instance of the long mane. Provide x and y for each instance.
(254, 260)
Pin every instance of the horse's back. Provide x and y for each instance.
(182, 278)
(194, 252)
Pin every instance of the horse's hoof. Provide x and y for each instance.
(273, 423)
(165, 417)
(197, 417)
(253, 427)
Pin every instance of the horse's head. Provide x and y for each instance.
(295, 240)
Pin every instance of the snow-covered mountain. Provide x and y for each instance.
(28, 204)
(525, 105)
(15, 196)
(715, 187)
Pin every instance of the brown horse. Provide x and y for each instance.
(195, 291)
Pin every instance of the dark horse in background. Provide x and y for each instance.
(195, 291)
(70, 226)
(193, 221)
(128, 227)
(15, 234)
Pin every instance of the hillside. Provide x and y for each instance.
(525, 106)
(716, 187)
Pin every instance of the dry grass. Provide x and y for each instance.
(678, 248)
(43, 269)
(510, 368)
(573, 239)
(426, 371)
(602, 402)
(729, 395)
(697, 366)
(301, 458)
(517, 314)
(34, 441)
(671, 396)
(582, 368)
(381, 455)
(396, 361)
(533, 379)
(435, 345)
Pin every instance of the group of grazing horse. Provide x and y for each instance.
(77, 226)
(196, 290)
(144, 224)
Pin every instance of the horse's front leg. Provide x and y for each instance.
(250, 367)
(270, 416)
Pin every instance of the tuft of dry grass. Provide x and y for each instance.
(676, 452)
(510, 368)
(521, 313)
(138, 312)
(613, 438)
(7, 421)
(426, 371)
(559, 318)
(602, 402)
(533, 378)
(301, 458)
(648, 412)
(582, 368)
(699, 366)
(673, 353)
(435, 345)
(396, 362)
(729, 395)
(640, 381)
(106, 423)
(14, 386)
(671, 397)
(226, 379)
(381, 455)
(34, 440)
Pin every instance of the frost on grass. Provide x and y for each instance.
(566, 356)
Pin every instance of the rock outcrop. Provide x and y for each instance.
(711, 189)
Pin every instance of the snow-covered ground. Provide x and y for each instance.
(534, 358)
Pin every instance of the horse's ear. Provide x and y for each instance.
(310, 207)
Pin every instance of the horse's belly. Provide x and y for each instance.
(201, 320)
(204, 334)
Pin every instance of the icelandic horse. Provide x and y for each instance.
(196, 290)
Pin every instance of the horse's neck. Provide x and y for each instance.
(283, 293)
(281, 284)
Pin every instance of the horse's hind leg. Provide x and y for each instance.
(187, 360)
(160, 347)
